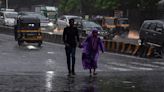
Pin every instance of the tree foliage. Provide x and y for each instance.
(87, 6)
(67, 6)
(140, 4)
(90, 6)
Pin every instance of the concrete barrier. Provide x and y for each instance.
(129, 49)
(110, 45)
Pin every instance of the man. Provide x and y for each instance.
(70, 39)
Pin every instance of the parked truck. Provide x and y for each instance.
(51, 12)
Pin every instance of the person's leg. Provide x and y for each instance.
(94, 71)
(73, 60)
(68, 59)
(90, 72)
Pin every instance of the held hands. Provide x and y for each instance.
(102, 51)
(80, 46)
(66, 44)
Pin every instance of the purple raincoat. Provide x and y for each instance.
(90, 54)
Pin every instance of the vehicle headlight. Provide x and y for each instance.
(6, 21)
(50, 24)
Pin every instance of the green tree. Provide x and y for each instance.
(142, 4)
(99, 6)
(87, 6)
(105, 4)
(69, 6)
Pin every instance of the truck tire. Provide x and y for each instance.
(39, 43)
(20, 42)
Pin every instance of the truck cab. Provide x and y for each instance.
(50, 12)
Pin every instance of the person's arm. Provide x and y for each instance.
(15, 32)
(64, 34)
(77, 37)
(101, 45)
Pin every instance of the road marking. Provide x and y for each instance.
(110, 67)
(120, 69)
(159, 63)
(129, 66)
(145, 65)
(51, 52)
(127, 56)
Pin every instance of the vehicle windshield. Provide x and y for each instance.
(123, 21)
(51, 15)
(40, 16)
(109, 21)
(37, 15)
(88, 24)
(75, 18)
(11, 15)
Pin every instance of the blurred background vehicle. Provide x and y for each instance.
(151, 33)
(50, 12)
(116, 26)
(46, 24)
(63, 21)
(110, 24)
(87, 27)
(123, 26)
(8, 18)
(28, 30)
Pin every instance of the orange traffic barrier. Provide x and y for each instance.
(123, 47)
(136, 49)
(150, 52)
(113, 48)
(128, 48)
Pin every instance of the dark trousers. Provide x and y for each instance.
(70, 53)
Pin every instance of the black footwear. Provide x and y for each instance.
(94, 73)
(69, 74)
(73, 73)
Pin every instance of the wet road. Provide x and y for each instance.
(32, 69)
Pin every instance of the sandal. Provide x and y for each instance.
(94, 73)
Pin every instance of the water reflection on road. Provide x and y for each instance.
(49, 78)
(54, 82)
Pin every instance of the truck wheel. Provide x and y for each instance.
(20, 42)
(39, 43)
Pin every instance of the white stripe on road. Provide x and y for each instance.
(145, 65)
(128, 69)
(110, 67)
(120, 69)
(127, 56)
(159, 63)
(129, 66)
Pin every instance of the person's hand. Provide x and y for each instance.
(80, 46)
(102, 51)
(66, 44)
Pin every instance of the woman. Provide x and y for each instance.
(90, 54)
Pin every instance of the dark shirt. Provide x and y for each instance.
(71, 36)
